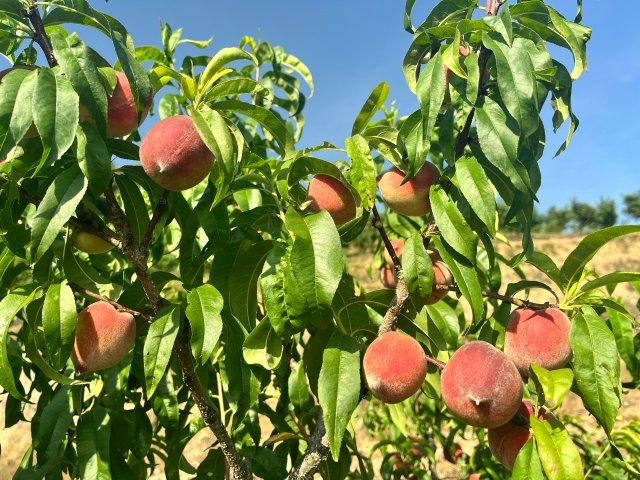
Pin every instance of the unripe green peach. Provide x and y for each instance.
(481, 386)
(328, 193)
(90, 243)
(104, 336)
(506, 441)
(174, 155)
(412, 198)
(538, 336)
(394, 366)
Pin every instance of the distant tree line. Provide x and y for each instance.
(580, 217)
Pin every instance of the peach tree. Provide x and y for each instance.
(196, 277)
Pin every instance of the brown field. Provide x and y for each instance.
(621, 254)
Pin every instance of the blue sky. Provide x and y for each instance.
(352, 45)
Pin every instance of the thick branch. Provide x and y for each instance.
(238, 469)
(317, 452)
(40, 36)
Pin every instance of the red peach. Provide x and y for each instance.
(506, 441)
(121, 109)
(394, 367)
(412, 198)
(481, 386)
(174, 155)
(538, 336)
(104, 336)
(329, 193)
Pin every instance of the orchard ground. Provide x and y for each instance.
(618, 255)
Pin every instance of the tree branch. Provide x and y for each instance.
(83, 291)
(40, 36)
(317, 452)
(518, 302)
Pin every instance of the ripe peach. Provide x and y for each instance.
(481, 386)
(121, 109)
(538, 336)
(412, 198)
(474, 476)
(506, 441)
(90, 243)
(174, 155)
(328, 193)
(394, 367)
(103, 337)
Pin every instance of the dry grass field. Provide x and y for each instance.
(622, 254)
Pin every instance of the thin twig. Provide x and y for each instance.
(39, 36)
(518, 302)
(377, 223)
(121, 308)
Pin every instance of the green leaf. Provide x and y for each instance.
(219, 60)
(93, 158)
(59, 322)
(516, 81)
(203, 311)
(363, 170)
(55, 114)
(596, 366)
(559, 456)
(80, 12)
(499, 142)
(546, 265)
(78, 64)
(553, 385)
(316, 263)
(589, 246)
(135, 207)
(299, 67)
(33, 354)
(466, 278)
(79, 270)
(93, 433)
(610, 279)
(452, 225)
(417, 267)
(430, 90)
(135, 72)
(9, 308)
(158, 346)
(55, 420)
(477, 190)
(371, 106)
(243, 280)
(297, 387)
(339, 387)
(622, 326)
(263, 346)
(419, 48)
(527, 466)
(20, 100)
(58, 205)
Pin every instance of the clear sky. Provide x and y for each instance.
(352, 45)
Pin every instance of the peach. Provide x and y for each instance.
(412, 198)
(90, 243)
(506, 441)
(388, 277)
(104, 336)
(474, 476)
(121, 109)
(174, 155)
(394, 366)
(328, 193)
(538, 336)
(481, 386)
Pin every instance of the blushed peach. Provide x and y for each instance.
(412, 198)
(507, 440)
(481, 386)
(538, 336)
(174, 155)
(394, 367)
(328, 193)
(104, 336)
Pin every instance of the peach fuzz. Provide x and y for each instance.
(330, 194)
(394, 367)
(538, 336)
(174, 155)
(481, 386)
(104, 336)
(411, 198)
